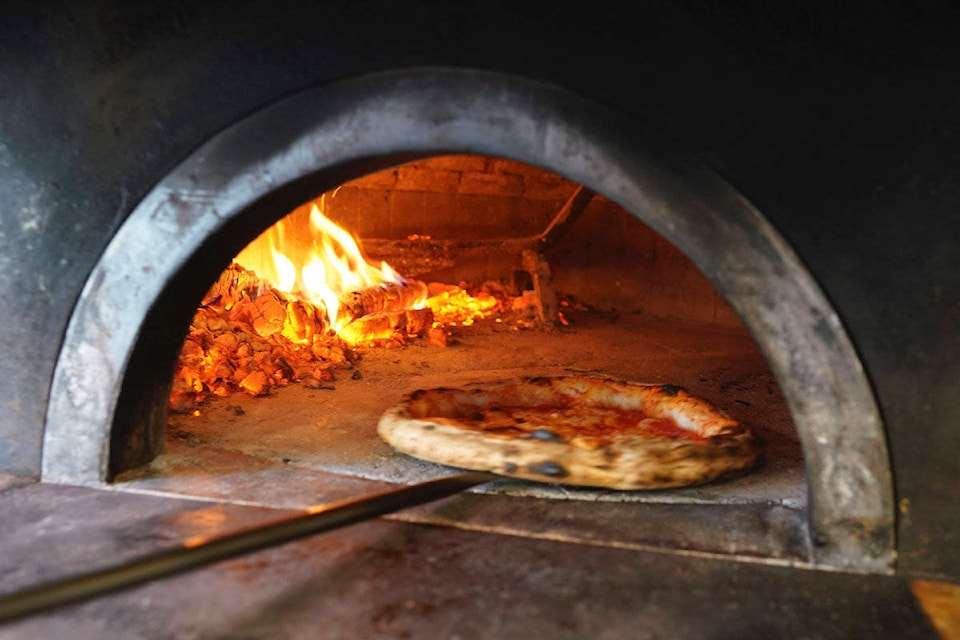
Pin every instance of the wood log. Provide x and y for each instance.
(303, 321)
(268, 313)
(384, 298)
(417, 322)
(234, 284)
(385, 325)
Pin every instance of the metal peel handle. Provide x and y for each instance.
(339, 514)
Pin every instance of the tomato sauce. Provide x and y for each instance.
(664, 428)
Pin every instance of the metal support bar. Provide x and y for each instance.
(558, 227)
(564, 219)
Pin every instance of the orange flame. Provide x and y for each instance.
(327, 265)
(308, 257)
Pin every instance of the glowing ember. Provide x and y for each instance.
(451, 305)
(289, 309)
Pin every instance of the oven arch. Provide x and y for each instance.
(324, 135)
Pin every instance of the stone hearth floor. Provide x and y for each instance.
(390, 579)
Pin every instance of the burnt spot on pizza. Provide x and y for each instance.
(428, 427)
(541, 381)
(549, 469)
(418, 394)
(610, 454)
(509, 452)
(545, 434)
(671, 389)
(662, 478)
(510, 467)
(520, 420)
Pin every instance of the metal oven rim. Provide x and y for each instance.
(325, 133)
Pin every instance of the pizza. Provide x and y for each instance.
(574, 430)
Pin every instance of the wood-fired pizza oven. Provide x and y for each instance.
(729, 202)
(130, 320)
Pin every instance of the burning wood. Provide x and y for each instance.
(452, 305)
(389, 297)
(388, 328)
(248, 337)
(302, 322)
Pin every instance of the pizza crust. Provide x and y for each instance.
(574, 430)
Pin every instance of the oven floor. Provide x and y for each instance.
(384, 579)
(334, 430)
(302, 447)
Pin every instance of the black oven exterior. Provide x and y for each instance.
(841, 128)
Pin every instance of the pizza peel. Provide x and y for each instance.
(193, 555)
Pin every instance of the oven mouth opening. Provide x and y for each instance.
(263, 374)
(232, 185)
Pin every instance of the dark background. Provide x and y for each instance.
(839, 121)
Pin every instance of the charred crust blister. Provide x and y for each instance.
(549, 469)
(545, 435)
(510, 467)
(671, 389)
(428, 427)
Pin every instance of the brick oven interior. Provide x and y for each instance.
(635, 308)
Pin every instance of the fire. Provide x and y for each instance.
(322, 270)
(292, 305)
(451, 305)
